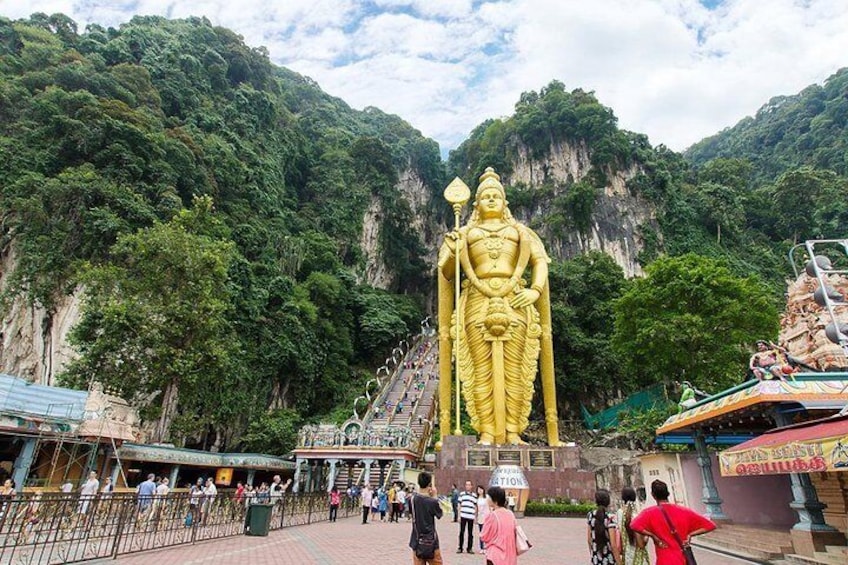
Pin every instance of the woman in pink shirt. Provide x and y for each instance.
(335, 500)
(499, 530)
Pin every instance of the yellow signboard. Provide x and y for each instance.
(807, 456)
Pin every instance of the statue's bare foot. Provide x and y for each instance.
(486, 439)
(514, 439)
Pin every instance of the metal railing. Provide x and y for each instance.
(51, 529)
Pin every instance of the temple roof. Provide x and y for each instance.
(19, 397)
(196, 458)
(746, 407)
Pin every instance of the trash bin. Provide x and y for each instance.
(258, 519)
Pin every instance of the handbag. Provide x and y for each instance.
(425, 544)
(688, 554)
(522, 543)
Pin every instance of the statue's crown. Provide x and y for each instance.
(490, 179)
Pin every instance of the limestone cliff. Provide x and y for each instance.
(618, 213)
(412, 188)
(375, 272)
(33, 340)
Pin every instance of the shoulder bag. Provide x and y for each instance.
(688, 555)
(425, 544)
(522, 542)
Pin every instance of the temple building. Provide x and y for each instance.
(51, 435)
(776, 478)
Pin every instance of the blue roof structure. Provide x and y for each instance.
(23, 398)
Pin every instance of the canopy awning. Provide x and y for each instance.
(813, 391)
(810, 447)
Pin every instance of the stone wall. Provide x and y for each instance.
(564, 480)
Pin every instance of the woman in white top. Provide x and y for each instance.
(482, 511)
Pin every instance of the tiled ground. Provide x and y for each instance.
(556, 540)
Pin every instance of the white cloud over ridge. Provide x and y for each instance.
(673, 69)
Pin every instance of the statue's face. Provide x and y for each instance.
(490, 203)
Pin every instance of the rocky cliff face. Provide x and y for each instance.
(376, 273)
(412, 188)
(618, 214)
(33, 340)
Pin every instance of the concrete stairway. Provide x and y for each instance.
(392, 473)
(756, 543)
(835, 555)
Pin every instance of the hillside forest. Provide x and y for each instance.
(212, 212)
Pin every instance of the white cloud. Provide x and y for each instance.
(670, 68)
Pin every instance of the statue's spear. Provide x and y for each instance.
(457, 193)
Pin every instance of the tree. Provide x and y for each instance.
(806, 201)
(274, 432)
(720, 206)
(155, 325)
(691, 318)
(583, 291)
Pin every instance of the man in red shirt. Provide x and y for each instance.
(652, 523)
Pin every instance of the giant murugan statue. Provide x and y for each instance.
(503, 328)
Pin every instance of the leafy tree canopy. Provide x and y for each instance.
(691, 319)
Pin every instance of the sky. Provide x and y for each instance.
(677, 70)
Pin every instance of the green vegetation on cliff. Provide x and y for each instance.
(212, 206)
(806, 129)
(209, 208)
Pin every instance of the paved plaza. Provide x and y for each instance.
(556, 540)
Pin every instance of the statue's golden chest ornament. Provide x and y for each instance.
(494, 325)
(494, 243)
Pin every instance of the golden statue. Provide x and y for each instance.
(503, 328)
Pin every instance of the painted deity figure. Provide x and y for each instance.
(504, 319)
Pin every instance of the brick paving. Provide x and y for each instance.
(555, 540)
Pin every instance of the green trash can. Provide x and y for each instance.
(258, 519)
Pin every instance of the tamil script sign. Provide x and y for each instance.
(808, 456)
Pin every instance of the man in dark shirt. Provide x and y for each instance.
(425, 509)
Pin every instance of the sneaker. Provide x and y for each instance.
(469, 551)
(459, 550)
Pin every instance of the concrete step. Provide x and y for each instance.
(742, 539)
(736, 534)
(749, 554)
(775, 548)
(830, 558)
(838, 550)
(820, 558)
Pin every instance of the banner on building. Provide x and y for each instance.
(806, 449)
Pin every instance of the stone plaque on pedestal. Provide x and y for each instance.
(478, 458)
(541, 458)
(509, 457)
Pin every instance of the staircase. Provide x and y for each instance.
(835, 555)
(419, 366)
(755, 543)
(392, 473)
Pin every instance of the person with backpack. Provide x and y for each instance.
(424, 540)
(601, 534)
(671, 526)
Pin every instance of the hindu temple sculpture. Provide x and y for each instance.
(498, 328)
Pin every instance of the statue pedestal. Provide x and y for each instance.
(551, 472)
